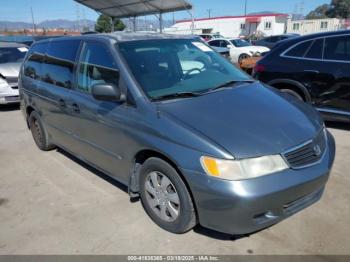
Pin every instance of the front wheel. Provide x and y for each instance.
(165, 197)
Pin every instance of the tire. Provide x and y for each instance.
(242, 57)
(179, 215)
(39, 133)
(293, 93)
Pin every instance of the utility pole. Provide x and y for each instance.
(209, 12)
(245, 7)
(33, 21)
(78, 17)
(302, 4)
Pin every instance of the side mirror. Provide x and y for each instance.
(229, 46)
(107, 92)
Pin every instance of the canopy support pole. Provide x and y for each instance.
(134, 23)
(113, 22)
(161, 23)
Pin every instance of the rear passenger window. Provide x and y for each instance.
(338, 48)
(59, 62)
(299, 50)
(96, 66)
(35, 58)
(316, 49)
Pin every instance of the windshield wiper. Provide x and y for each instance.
(229, 84)
(177, 95)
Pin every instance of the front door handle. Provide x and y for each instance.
(76, 108)
(62, 103)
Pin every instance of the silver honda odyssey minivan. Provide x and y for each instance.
(195, 138)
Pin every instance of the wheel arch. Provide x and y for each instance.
(293, 85)
(141, 158)
(29, 110)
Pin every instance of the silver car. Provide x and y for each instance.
(11, 57)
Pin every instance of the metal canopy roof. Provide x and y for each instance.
(133, 8)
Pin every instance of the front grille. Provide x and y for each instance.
(308, 153)
(12, 80)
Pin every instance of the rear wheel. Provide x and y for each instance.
(39, 133)
(165, 197)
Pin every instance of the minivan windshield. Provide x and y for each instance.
(178, 66)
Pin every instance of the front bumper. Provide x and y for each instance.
(9, 96)
(242, 207)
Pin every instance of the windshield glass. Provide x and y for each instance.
(240, 43)
(12, 54)
(172, 66)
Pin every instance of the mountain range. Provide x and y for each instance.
(86, 24)
(48, 24)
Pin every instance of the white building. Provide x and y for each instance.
(304, 27)
(233, 26)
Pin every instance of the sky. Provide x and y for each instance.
(19, 10)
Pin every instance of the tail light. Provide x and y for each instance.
(259, 68)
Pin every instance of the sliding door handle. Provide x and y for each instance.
(62, 103)
(76, 108)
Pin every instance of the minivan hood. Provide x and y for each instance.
(248, 121)
(10, 69)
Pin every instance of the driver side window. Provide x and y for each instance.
(96, 66)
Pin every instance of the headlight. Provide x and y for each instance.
(3, 85)
(243, 169)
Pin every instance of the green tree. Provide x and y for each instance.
(320, 12)
(339, 9)
(104, 24)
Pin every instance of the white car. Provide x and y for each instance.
(11, 57)
(239, 49)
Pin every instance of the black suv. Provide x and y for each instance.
(314, 68)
